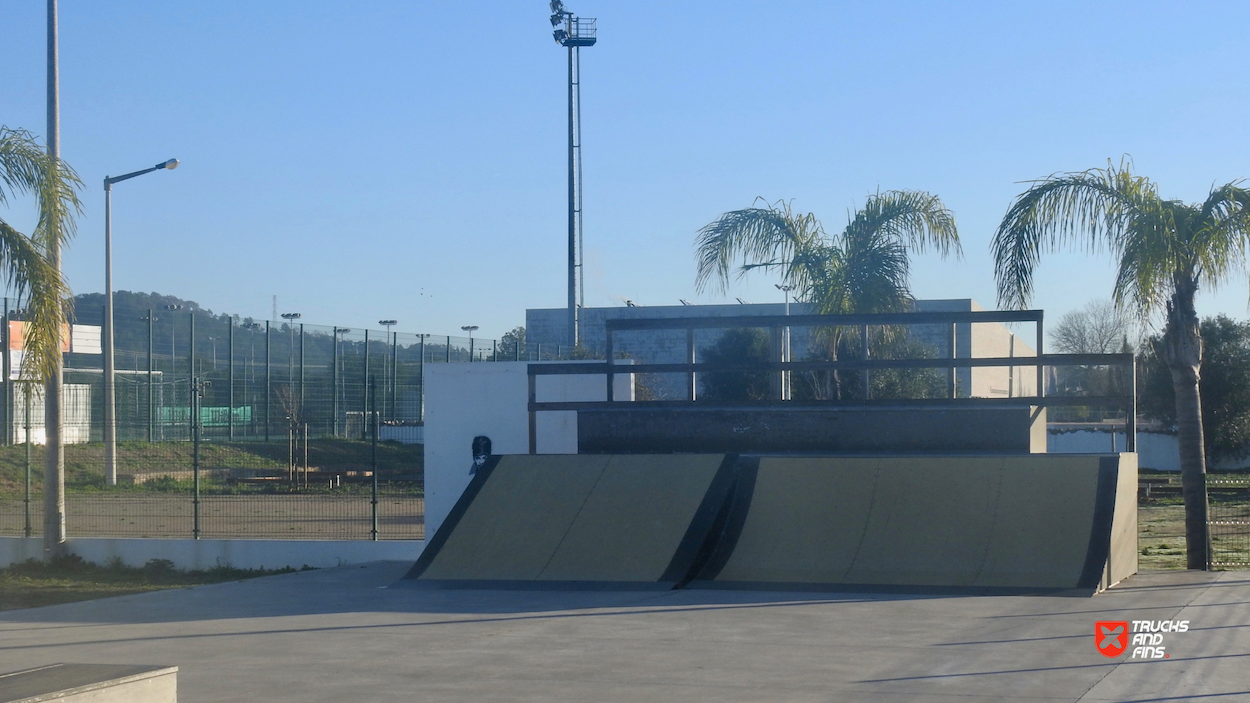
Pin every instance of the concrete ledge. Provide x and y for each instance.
(91, 683)
(208, 553)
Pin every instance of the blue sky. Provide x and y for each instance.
(384, 159)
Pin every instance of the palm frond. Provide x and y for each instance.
(914, 219)
(24, 263)
(760, 237)
(1097, 208)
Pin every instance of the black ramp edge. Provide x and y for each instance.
(435, 543)
(515, 585)
(704, 527)
(739, 506)
(1100, 531)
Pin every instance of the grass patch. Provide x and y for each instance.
(84, 463)
(68, 579)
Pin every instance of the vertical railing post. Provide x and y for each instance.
(1041, 370)
(865, 376)
(533, 417)
(1130, 428)
(421, 380)
(952, 385)
(608, 355)
(692, 382)
(375, 425)
(449, 349)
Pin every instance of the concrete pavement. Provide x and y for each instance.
(342, 634)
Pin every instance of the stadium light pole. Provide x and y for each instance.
(575, 33)
(110, 408)
(470, 329)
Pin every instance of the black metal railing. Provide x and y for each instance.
(610, 366)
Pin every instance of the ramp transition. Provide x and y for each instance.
(556, 521)
(909, 523)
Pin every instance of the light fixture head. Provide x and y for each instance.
(557, 19)
(171, 164)
(388, 323)
(557, 7)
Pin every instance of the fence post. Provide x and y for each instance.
(195, 455)
(374, 460)
(230, 376)
(191, 348)
(334, 385)
(394, 374)
(951, 385)
(364, 390)
(151, 386)
(449, 349)
(421, 380)
(301, 369)
(27, 423)
(268, 387)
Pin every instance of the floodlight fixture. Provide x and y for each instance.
(470, 329)
(290, 316)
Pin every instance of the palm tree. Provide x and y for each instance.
(1164, 250)
(26, 169)
(863, 269)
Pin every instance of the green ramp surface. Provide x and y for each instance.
(942, 523)
(579, 521)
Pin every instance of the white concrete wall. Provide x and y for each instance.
(208, 553)
(491, 399)
(1155, 450)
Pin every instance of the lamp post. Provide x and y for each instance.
(110, 414)
(785, 343)
(575, 33)
(470, 329)
(391, 366)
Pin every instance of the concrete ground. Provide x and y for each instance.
(341, 634)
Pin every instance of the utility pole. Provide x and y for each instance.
(54, 458)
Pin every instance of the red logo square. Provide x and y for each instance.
(1111, 637)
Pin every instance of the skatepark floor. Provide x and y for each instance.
(343, 634)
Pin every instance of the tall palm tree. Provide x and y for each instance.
(865, 268)
(1164, 250)
(26, 169)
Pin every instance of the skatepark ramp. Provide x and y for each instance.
(910, 523)
(559, 521)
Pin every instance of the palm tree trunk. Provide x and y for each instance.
(1182, 351)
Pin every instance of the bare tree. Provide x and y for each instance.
(1098, 328)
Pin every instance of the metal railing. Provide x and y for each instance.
(862, 324)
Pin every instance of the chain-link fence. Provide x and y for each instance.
(277, 442)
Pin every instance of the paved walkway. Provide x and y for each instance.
(340, 634)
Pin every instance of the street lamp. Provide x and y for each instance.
(110, 414)
(785, 343)
(470, 329)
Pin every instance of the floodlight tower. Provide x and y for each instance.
(575, 33)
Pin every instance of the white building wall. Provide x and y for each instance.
(464, 401)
